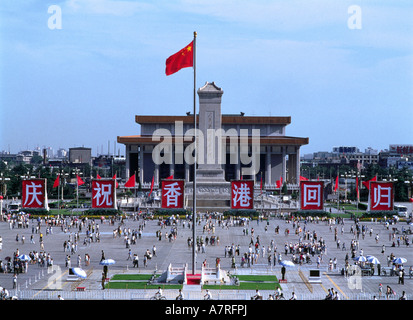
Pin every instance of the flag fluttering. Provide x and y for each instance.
(367, 183)
(184, 58)
(114, 178)
(79, 181)
(336, 185)
(279, 183)
(131, 182)
(56, 182)
(153, 180)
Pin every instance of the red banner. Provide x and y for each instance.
(312, 195)
(34, 193)
(173, 194)
(242, 194)
(103, 193)
(381, 196)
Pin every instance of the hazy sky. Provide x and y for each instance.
(344, 74)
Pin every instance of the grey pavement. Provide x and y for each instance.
(37, 283)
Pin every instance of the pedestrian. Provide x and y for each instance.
(129, 255)
(135, 261)
(401, 276)
(15, 281)
(103, 281)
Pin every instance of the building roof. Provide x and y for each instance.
(226, 119)
(264, 140)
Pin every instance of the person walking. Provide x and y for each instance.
(15, 281)
(401, 276)
(380, 290)
(103, 281)
(135, 261)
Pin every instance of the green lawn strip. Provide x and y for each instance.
(246, 282)
(245, 286)
(249, 282)
(257, 278)
(140, 285)
(132, 277)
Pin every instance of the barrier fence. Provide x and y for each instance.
(171, 295)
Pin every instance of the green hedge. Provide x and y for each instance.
(169, 212)
(379, 214)
(241, 212)
(101, 212)
(311, 213)
(38, 212)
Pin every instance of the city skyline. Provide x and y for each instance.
(341, 70)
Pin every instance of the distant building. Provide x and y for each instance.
(61, 153)
(80, 155)
(279, 154)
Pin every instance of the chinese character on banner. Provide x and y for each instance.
(103, 193)
(34, 193)
(242, 194)
(381, 196)
(173, 194)
(312, 195)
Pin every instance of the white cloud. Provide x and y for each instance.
(107, 7)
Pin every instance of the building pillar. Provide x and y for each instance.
(298, 171)
(187, 174)
(172, 165)
(141, 164)
(284, 163)
(268, 166)
(156, 179)
(127, 168)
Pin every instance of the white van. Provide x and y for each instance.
(401, 211)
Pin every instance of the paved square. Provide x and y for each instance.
(228, 232)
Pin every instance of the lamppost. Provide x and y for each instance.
(3, 191)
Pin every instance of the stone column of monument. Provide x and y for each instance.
(213, 192)
(209, 161)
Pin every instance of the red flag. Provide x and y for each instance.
(303, 178)
(153, 179)
(336, 185)
(357, 189)
(170, 177)
(184, 58)
(117, 184)
(98, 176)
(56, 182)
(279, 183)
(367, 184)
(131, 182)
(79, 181)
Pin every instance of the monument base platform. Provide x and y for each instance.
(210, 195)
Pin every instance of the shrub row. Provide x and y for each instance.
(311, 213)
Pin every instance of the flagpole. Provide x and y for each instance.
(195, 161)
(58, 194)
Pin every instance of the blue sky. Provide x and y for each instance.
(83, 84)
